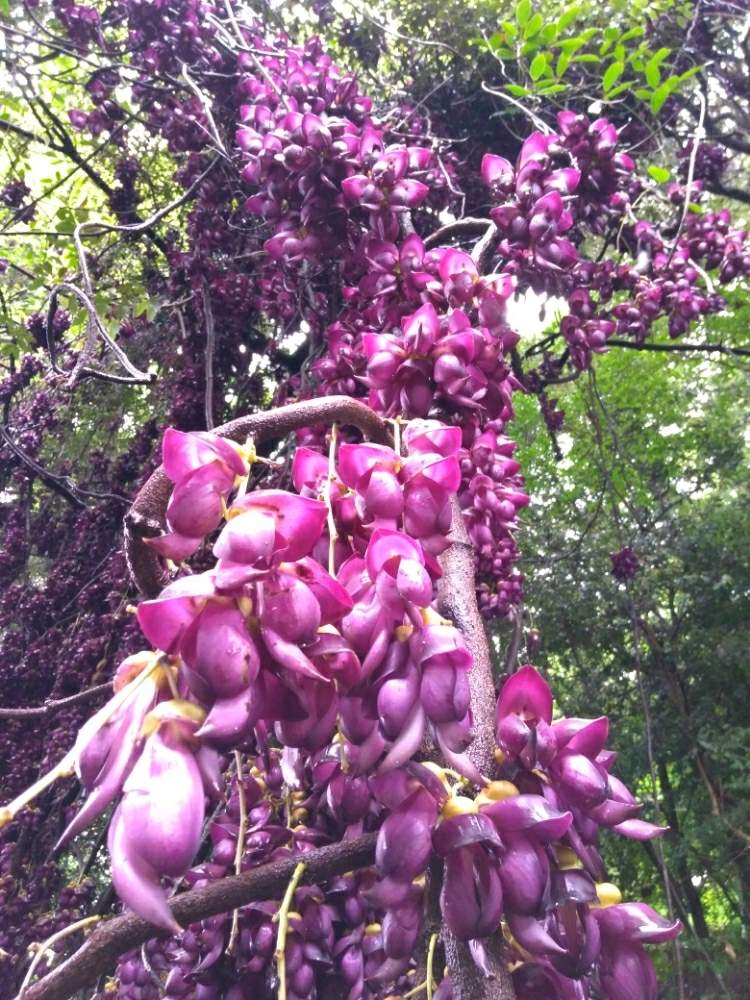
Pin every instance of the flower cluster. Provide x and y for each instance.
(625, 563)
(353, 671)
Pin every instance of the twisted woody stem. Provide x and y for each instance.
(145, 519)
(456, 598)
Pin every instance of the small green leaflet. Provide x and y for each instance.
(659, 174)
(612, 75)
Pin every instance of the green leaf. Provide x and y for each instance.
(534, 26)
(660, 174)
(538, 65)
(510, 29)
(689, 73)
(567, 18)
(659, 97)
(652, 74)
(546, 88)
(620, 89)
(570, 44)
(523, 12)
(516, 90)
(612, 75)
(5, 7)
(638, 32)
(587, 57)
(549, 33)
(563, 61)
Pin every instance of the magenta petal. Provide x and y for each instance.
(586, 736)
(524, 872)
(289, 655)
(532, 936)
(582, 778)
(290, 608)
(471, 899)
(526, 693)
(444, 692)
(232, 719)
(310, 470)
(414, 583)
(248, 538)
(183, 453)
(636, 923)
(404, 841)
(455, 262)
(395, 701)
(299, 520)
(629, 975)
(174, 546)
(496, 171)
(164, 620)
(639, 829)
(194, 508)
(460, 762)
(137, 885)
(386, 547)
(427, 436)
(530, 814)
(611, 812)
(461, 831)
(407, 743)
(422, 327)
(333, 600)
(162, 807)
(220, 649)
(354, 460)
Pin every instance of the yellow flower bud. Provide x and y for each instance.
(459, 805)
(608, 894)
(567, 858)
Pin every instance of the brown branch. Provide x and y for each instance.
(100, 952)
(54, 706)
(146, 516)
(711, 348)
(457, 600)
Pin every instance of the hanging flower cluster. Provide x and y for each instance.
(317, 629)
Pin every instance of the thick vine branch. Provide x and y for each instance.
(146, 516)
(457, 600)
(100, 952)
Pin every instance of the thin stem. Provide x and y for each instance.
(53, 939)
(283, 920)
(53, 706)
(65, 767)
(332, 533)
(240, 848)
(430, 960)
(698, 136)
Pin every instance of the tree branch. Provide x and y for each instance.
(100, 952)
(146, 516)
(457, 600)
(54, 706)
(711, 348)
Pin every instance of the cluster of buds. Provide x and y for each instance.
(625, 563)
